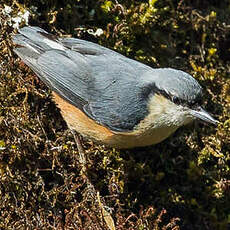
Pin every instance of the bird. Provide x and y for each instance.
(107, 97)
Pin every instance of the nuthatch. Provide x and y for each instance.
(108, 97)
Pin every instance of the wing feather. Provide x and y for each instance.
(99, 81)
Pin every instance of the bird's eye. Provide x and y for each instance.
(175, 100)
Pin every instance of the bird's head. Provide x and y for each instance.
(175, 99)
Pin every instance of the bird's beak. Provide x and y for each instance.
(204, 116)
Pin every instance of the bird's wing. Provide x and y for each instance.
(86, 47)
(101, 82)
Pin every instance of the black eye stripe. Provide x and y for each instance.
(189, 102)
(176, 100)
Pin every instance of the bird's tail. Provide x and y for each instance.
(33, 41)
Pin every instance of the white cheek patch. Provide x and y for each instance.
(165, 113)
(53, 44)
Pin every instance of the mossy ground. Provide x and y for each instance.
(181, 183)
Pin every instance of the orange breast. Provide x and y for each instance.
(79, 121)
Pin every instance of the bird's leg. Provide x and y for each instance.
(90, 187)
(81, 151)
